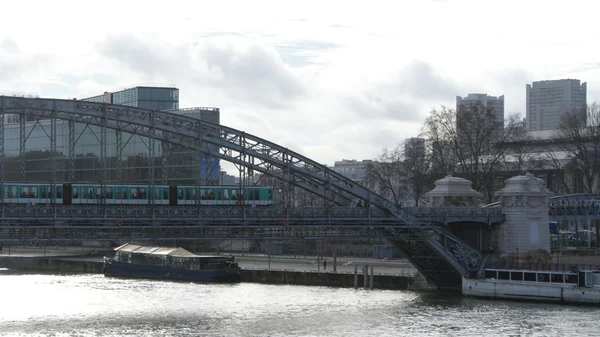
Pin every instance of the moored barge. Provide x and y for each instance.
(167, 263)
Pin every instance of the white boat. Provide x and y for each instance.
(575, 286)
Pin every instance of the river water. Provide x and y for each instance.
(92, 305)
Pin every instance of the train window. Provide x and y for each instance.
(226, 194)
(75, 192)
(59, 192)
(180, 193)
(134, 191)
(98, 194)
(211, 194)
(203, 194)
(191, 193)
(10, 191)
(43, 193)
(165, 193)
(157, 193)
(108, 192)
(29, 192)
(237, 195)
(120, 193)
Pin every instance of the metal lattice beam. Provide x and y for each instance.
(234, 146)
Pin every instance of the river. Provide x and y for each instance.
(33, 304)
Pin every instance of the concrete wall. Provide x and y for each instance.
(51, 264)
(325, 279)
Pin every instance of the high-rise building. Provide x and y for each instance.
(155, 98)
(495, 104)
(547, 101)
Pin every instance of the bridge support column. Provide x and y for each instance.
(365, 276)
(355, 276)
(71, 126)
(22, 138)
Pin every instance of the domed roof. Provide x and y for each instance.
(525, 184)
(450, 186)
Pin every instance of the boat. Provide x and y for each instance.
(167, 263)
(575, 285)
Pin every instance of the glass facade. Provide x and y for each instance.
(132, 165)
(148, 98)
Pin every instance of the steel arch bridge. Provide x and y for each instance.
(441, 257)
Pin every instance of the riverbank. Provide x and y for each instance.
(287, 276)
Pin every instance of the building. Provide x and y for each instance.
(155, 98)
(495, 105)
(353, 169)
(210, 167)
(547, 101)
(126, 158)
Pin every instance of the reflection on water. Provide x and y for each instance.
(92, 305)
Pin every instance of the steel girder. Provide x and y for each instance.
(234, 146)
(576, 207)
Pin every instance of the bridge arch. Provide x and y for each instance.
(235, 146)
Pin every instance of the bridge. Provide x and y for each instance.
(421, 234)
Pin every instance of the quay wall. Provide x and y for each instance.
(256, 276)
(51, 264)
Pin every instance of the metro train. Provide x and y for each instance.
(74, 194)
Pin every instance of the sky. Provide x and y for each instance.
(331, 80)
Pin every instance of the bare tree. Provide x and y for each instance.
(467, 144)
(402, 173)
(578, 137)
(386, 176)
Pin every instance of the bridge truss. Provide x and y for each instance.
(424, 241)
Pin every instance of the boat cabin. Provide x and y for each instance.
(579, 278)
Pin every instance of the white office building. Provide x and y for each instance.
(547, 101)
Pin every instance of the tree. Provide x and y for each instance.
(401, 173)
(385, 175)
(578, 137)
(467, 144)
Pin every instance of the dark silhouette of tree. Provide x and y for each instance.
(578, 139)
(467, 144)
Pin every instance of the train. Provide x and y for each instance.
(84, 193)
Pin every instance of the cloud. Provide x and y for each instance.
(15, 65)
(249, 72)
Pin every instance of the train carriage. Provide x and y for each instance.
(118, 194)
(221, 195)
(39, 193)
(85, 193)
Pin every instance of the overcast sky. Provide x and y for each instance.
(328, 79)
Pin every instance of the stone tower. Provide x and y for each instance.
(524, 236)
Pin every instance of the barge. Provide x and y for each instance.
(167, 263)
